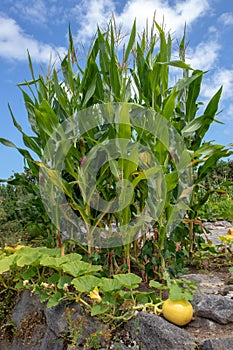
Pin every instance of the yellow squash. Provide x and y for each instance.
(179, 312)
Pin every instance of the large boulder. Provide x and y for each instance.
(214, 307)
(32, 331)
(218, 344)
(40, 328)
(207, 283)
(155, 333)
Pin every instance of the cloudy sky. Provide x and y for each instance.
(41, 28)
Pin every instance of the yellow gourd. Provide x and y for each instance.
(179, 312)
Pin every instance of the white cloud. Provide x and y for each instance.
(226, 18)
(34, 12)
(38, 12)
(90, 14)
(227, 118)
(14, 44)
(191, 9)
(99, 12)
(228, 114)
(204, 56)
(212, 83)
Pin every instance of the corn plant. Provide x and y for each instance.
(152, 142)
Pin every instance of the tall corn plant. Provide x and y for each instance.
(136, 73)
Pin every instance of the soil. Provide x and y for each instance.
(204, 333)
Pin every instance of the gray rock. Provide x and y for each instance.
(206, 283)
(48, 342)
(214, 307)
(56, 318)
(32, 329)
(119, 346)
(155, 333)
(217, 228)
(26, 305)
(230, 278)
(217, 344)
(223, 223)
(201, 322)
(40, 328)
(228, 289)
(44, 328)
(217, 224)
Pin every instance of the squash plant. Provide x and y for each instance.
(121, 107)
(56, 277)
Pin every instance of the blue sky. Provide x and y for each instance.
(41, 27)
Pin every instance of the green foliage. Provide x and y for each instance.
(23, 218)
(155, 155)
(74, 327)
(115, 79)
(217, 190)
(218, 208)
(178, 288)
(55, 278)
(209, 255)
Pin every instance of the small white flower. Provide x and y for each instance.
(65, 287)
(44, 284)
(25, 282)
